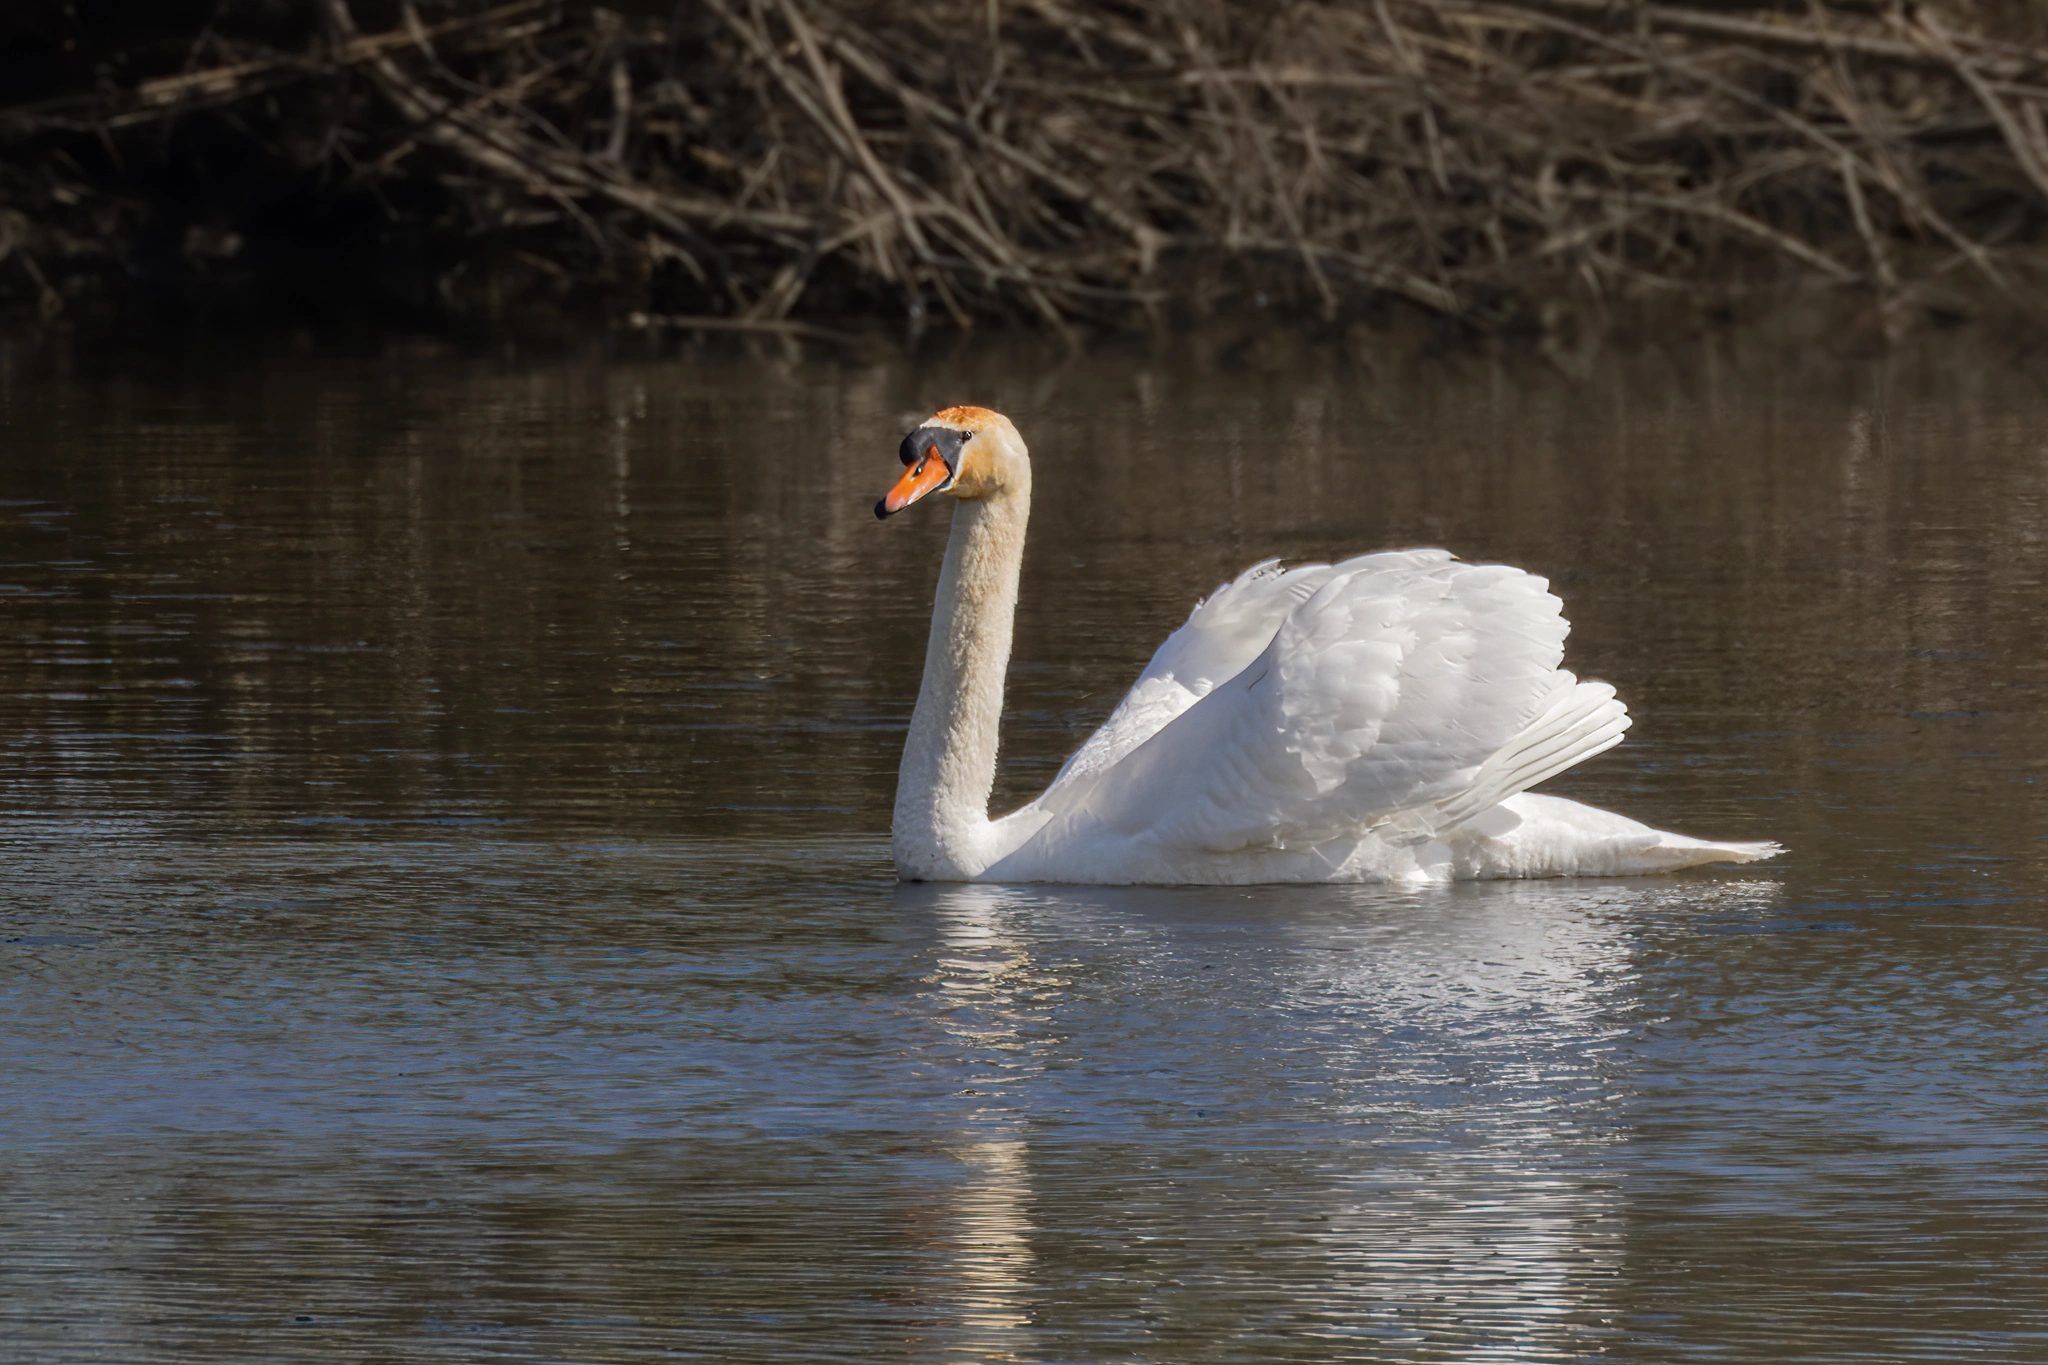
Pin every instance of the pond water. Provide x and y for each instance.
(447, 911)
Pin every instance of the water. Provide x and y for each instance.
(447, 911)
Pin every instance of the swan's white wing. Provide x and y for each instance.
(1408, 689)
(1222, 635)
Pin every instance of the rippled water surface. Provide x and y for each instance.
(447, 914)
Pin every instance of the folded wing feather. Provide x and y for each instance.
(1222, 635)
(1405, 689)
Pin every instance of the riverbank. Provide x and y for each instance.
(1522, 166)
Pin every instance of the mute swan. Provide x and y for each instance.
(1373, 720)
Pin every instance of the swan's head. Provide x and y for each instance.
(967, 452)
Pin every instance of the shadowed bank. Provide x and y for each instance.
(1537, 166)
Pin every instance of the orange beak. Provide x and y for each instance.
(918, 480)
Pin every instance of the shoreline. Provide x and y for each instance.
(1553, 169)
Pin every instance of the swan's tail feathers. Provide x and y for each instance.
(1663, 851)
(1582, 719)
(1695, 852)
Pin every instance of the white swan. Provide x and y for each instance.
(1374, 720)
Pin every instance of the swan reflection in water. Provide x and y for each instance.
(986, 1228)
(1406, 1110)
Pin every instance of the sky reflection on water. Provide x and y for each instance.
(447, 916)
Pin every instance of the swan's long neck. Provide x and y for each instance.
(941, 830)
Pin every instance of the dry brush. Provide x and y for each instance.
(764, 164)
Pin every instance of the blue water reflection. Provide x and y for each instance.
(445, 912)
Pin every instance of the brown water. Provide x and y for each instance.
(447, 912)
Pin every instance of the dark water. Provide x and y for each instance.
(445, 911)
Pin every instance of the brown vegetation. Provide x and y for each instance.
(1505, 163)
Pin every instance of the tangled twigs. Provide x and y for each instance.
(164, 97)
(1502, 162)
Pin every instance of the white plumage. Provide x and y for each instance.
(1376, 719)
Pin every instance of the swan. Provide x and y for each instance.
(1378, 719)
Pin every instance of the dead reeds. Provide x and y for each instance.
(1501, 162)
